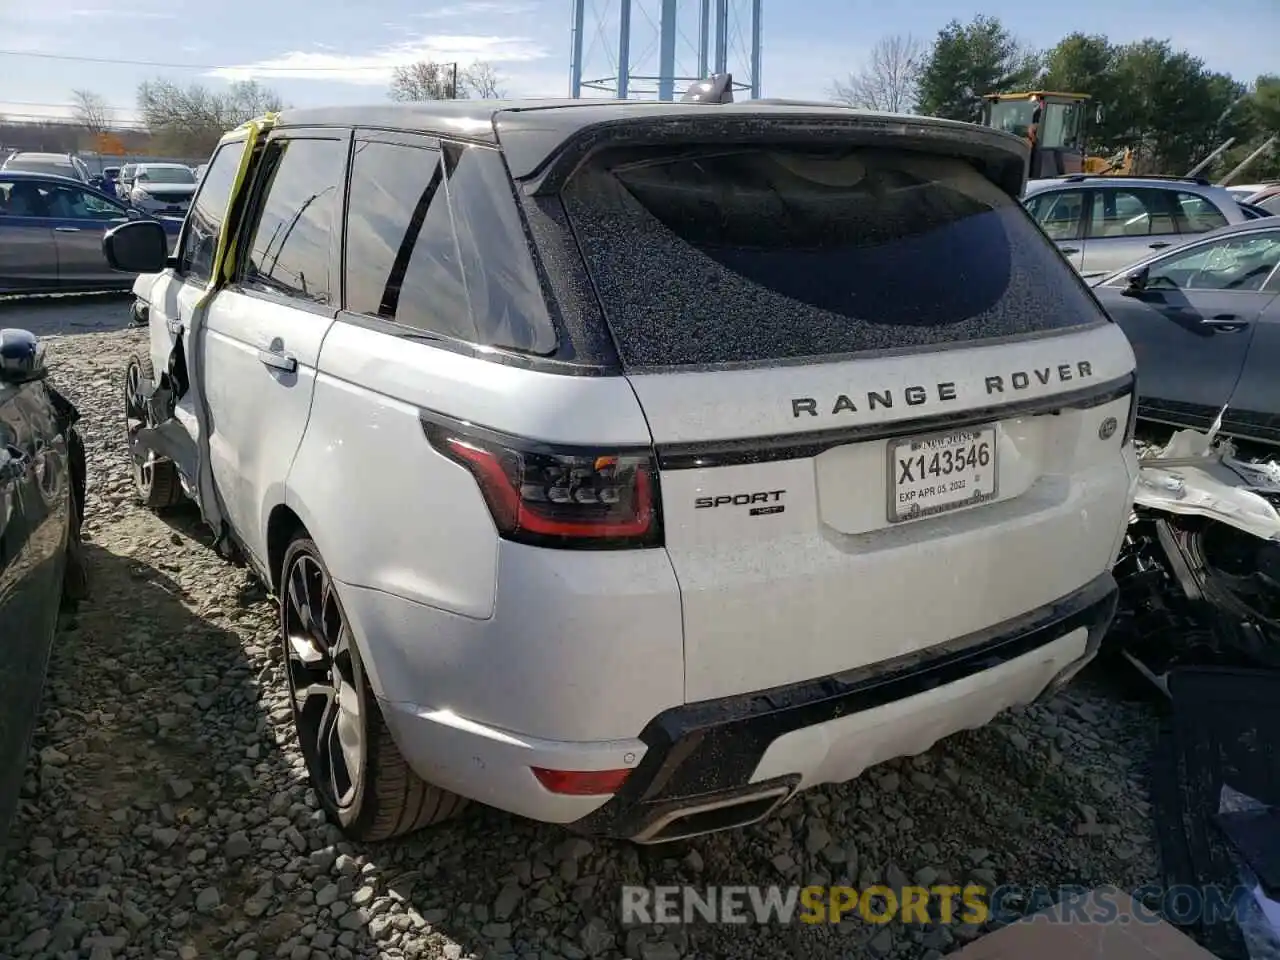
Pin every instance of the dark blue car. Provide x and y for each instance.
(51, 231)
(42, 487)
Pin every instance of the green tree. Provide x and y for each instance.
(1087, 64)
(1170, 107)
(1266, 103)
(1258, 119)
(970, 60)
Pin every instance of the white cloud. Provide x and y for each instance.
(374, 68)
(488, 7)
(98, 13)
(35, 13)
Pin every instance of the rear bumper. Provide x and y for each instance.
(721, 764)
(724, 763)
(158, 208)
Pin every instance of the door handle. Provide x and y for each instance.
(1068, 251)
(278, 361)
(1160, 245)
(67, 229)
(1225, 323)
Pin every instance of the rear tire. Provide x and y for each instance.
(155, 482)
(362, 779)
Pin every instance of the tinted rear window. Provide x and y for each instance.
(752, 254)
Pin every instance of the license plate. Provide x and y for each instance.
(932, 474)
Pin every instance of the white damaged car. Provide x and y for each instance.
(634, 466)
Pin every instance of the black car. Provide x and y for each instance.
(42, 488)
(1204, 321)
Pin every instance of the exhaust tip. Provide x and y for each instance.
(714, 816)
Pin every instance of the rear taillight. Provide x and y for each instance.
(555, 496)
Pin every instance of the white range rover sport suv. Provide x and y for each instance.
(633, 466)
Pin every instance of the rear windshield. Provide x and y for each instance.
(61, 169)
(746, 255)
(166, 175)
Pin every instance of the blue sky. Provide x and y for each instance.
(323, 51)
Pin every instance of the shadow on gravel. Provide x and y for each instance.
(501, 886)
(67, 314)
(155, 761)
(184, 518)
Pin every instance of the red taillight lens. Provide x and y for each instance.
(581, 783)
(557, 496)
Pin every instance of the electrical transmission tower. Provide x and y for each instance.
(653, 49)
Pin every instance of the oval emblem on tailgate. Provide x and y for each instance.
(1107, 430)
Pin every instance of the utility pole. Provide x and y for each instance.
(453, 83)
(1248, 160)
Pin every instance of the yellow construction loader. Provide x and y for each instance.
(1055, 126)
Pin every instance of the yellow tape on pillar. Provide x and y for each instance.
(224, 259)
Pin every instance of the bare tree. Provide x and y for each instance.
(483, 82)
(191, 119)
(246, 100)
(891, 78)
(425, 80)
(91, 111)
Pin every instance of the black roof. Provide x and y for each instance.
(476, 119)
(531, 130)
(41, 175)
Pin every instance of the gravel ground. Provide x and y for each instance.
(166, 813)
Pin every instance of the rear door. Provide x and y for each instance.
(1192, 325)
(878, 398)
(263, 331)
(1060, 214)
(28, 256)
(1125, 225)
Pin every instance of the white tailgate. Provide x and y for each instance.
(795, 571)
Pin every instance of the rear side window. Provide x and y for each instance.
(204, 220)
(1198, 214)
(289, 249)
(435, 243)
(761, 254)
(402, 263)
(1058, 213)
(1131, 213)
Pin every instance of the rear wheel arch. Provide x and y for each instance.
(283, 527)
(387, 798)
